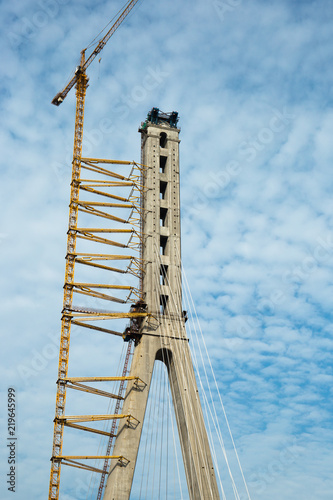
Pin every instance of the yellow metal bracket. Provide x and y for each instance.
(69, 460)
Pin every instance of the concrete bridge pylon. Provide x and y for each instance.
(163, 333)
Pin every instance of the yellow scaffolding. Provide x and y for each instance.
(127, 227)
(82, 316)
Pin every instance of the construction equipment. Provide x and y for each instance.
(70, 315)
(80, 77)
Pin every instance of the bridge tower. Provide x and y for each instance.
(163, 335)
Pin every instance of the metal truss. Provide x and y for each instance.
(95, 196)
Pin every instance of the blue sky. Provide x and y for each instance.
(252, 82)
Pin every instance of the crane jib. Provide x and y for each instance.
(58, 99)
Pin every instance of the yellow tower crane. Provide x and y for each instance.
(79, 80)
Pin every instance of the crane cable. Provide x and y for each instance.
(108, 24)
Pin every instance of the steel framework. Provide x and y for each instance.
(101, 182)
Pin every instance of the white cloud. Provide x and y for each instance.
(253, 89)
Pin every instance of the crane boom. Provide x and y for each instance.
(58, 99)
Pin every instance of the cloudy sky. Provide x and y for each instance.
(252, 82)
